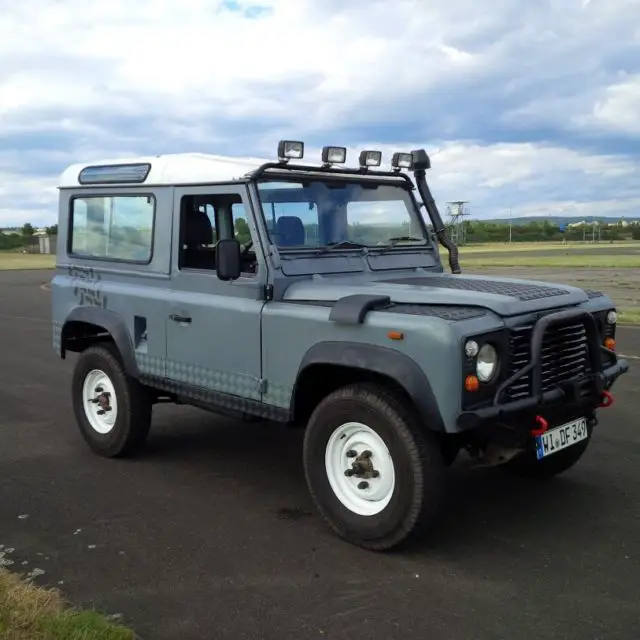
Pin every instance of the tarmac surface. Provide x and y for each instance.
(212, 534)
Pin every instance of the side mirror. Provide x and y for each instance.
(228, 259)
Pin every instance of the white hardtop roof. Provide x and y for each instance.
(174, 168)
(177, 168)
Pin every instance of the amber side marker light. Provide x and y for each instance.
(395, 335)
(610, 344)
(471, 383)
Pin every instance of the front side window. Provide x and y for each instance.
(314, 213)
(207, 218)
(118, 228)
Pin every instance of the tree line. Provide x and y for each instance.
(23, 237)
(472, 231)
(546, 231)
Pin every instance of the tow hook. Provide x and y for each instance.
(606, 400)
(543, 426)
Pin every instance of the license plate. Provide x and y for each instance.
(561, 437)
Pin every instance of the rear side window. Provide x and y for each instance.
(118, 228)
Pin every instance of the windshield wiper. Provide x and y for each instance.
(343, 244)
(394, 241)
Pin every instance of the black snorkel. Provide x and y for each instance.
(420, 164)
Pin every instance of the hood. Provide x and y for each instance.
(504, 296)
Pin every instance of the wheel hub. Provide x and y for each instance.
(99, 401)
(359, 468)
(362, 466)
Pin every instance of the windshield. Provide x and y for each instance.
(324, 212)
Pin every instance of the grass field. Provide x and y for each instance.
(623, 255)
(560, 261)
(493, 247)
(10, 260)
(28, 612)
(629, 316)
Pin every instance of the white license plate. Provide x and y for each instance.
(561, 437)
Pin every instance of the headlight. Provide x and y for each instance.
(334, 155)
(612, 317)
(471, 348)
(401, 160)
(370, 158)
(288, 149)
(486, 363)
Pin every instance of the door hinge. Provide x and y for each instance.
(263, 385)
(268, 292)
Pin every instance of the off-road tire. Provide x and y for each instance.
(526, 464)
(417, 458)
(133, 419)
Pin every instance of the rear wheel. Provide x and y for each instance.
(527, 465)
(375, 476)
(112, 409)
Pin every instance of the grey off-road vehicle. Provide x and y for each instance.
(314, 295)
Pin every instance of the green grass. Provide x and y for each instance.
(567, 260)
(10, 261)
(629, 316)
(28, 612)
(494, 247)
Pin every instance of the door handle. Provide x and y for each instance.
(178, 318)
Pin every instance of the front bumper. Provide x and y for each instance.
(584, 394)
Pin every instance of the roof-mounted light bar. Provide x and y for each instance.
(370, 158)
(115, 174)
(288, 149)
(334, 155)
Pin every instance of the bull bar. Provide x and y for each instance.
(597, 381)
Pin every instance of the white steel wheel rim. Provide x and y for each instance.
(101, 416)
(339, 458)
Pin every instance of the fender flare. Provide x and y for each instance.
(116, 327)
(382, 360)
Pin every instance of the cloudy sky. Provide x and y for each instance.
(533, 105)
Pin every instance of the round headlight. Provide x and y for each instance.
(487, 363)
(612, 317)
(471, 348)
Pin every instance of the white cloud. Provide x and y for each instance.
(620, 106)
(83, 80)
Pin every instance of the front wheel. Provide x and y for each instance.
(113, 410)
(375, 476)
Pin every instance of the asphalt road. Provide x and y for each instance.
(211, 534)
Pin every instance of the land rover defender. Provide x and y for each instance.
(314, 294)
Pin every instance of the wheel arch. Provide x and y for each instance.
(85, 326)
(326, 366)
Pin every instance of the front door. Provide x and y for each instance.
(213, 327)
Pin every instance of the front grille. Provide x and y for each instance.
(565, 356)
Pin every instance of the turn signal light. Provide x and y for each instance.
(610, 344)
(471, 383)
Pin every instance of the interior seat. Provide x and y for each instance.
(198, 232)
(290, 231)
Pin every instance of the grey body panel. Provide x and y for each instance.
(135, 293)
(219, 349)
(381, 360)
(503, 296)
